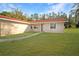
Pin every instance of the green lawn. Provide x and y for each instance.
(17, 35)
(44, 44)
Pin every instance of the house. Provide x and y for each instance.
(13, 26)
(51, 25)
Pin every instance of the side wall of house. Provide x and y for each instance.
(19, 28)
(8, 28)
(59, 28)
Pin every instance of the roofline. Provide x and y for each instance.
(33, 21)
(15, 21)
(47, 22)
(30, 22)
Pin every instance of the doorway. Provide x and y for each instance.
(41, 27)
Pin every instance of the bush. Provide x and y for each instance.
(77, 25)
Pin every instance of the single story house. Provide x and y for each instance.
(13, 26)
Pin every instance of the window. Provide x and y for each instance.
(53, 25)
(35, 27)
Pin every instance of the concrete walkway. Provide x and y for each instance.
(19, 38)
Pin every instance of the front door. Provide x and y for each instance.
(41, 27)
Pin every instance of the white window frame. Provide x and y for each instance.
(52, 25)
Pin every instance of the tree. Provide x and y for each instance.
(35, 16)
(31, 16)
(54, 15)
(62, 15)
(67, 24)
(76, 13)
(5, 13)
(18, 14)
(43, 17)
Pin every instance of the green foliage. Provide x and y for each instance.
(5, 13)
(75, 12)
(15, 14)
(49, 15)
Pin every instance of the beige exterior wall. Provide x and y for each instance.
(8, 28)
(19, 28)
(46, 27)
(59, 28)
(5, 28)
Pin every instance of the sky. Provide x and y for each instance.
(40, 8)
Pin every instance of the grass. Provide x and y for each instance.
(17, 35)
(71, 30)
(61, 44)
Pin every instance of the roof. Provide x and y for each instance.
(12, 19)
(1, 16)
(33, 21)
(50, 20)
